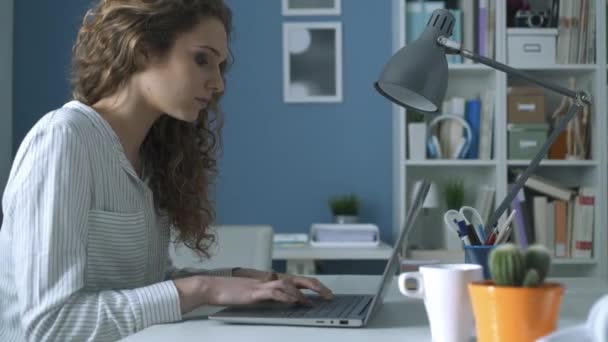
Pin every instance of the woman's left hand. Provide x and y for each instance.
(300, 282)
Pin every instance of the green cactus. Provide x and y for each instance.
(510, 266)
(507, 265)
(531, 279)
(538, 258)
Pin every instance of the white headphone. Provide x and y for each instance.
(433, 146)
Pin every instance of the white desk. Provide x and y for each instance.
(400, 319)
(301, 260)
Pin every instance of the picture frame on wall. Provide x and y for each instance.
(312, 62)
(311, 7)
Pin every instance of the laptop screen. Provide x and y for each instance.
(393, 263)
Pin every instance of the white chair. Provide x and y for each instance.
(247, 246)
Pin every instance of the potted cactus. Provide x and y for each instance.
(517, 304)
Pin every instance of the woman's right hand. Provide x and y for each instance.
(225, 291)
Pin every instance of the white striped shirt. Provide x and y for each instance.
(83, 252)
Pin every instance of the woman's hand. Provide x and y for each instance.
(299, 281)
(224, 291)
(235, 291)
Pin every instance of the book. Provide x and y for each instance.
(469, 21)
(561, 222)
(548, 187)
(487, 125)
(473, 118)
(582, 229)
(550, 227)
(456, 35)
(482, 30)
(563, 32)
(540, 219)
(570, 223)
(520, 228)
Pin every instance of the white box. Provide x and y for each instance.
(416, 133)
(344, 235)
(531, 47)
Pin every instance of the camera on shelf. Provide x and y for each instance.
(534, 19)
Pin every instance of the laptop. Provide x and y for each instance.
(343, 310)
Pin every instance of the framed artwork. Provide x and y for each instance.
(311, 7)
(312, 62)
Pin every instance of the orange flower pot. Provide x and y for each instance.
(508, 314)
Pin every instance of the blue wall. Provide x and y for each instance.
(44, 34)
(281, 161)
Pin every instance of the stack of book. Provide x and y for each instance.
(473, 28)
(559, 217)
(576, 33)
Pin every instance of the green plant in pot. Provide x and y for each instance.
(345, 208)
(517, 304)
(454, 194)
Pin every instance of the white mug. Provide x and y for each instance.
(444, 289)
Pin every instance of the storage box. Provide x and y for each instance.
(525, 140)
(525, 105)
(531, 46)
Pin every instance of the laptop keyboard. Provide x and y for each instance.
(340, 306)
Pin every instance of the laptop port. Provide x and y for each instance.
(319, 321)
(344, 322)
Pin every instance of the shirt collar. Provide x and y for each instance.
(107, 132)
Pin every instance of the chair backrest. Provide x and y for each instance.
(236, 246)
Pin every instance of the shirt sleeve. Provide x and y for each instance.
(176, 273)
(48, 204)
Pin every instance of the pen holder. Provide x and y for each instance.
(479, 254)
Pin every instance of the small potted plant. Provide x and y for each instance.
(517, 304)
(345, 208)
(454, 194)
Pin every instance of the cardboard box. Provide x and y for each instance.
(525, 140)
(525, 105)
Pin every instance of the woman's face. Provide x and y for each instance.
(183, 82)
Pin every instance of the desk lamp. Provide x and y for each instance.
(416, 78)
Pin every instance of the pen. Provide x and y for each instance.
(509, 219)
(472, 235)
(504, 235)
(498, 232)
(462, 234)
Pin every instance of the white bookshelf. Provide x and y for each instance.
(468, 80)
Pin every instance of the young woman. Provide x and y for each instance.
(97, 185)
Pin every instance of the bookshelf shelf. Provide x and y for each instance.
(458, 256)
(564, 163)
(559, 67)
(468, 81)
(450, 162)
(573, 261)
(470, 67)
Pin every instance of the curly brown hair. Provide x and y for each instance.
(179, 157)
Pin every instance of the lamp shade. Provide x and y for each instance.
(432, 197)
(416, 76)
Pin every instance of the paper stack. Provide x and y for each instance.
(290, 240)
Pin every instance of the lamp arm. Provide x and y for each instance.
(581, 99)
(454, 47)
(521, 180)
